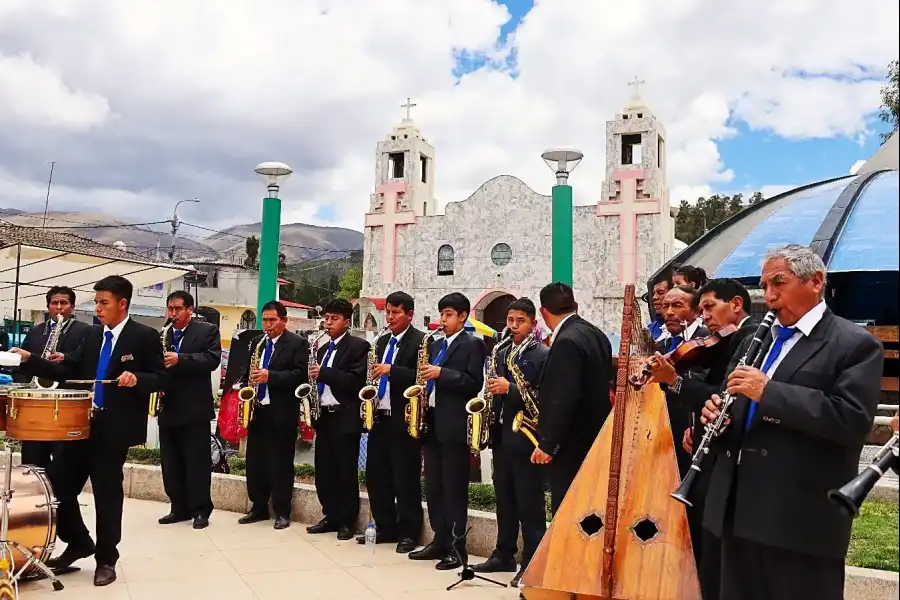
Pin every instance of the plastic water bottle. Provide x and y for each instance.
(371, 538)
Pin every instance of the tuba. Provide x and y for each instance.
(368, 395)
(417, 407)
(481, 410)
(247, 395)
(525, 421)
(156, 397)
(308, 393)
(49, 348)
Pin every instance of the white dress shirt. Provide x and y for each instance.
(558, 326)
(804, 327)
(116, 332)
(434, 389)
(385, 403)
(328, 398)
(265, 401)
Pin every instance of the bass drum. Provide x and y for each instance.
(32, 516)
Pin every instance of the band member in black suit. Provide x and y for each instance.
(798, 428)
(130, 353)
(272, 433)
(193, 350)
(723, 302)
(60, 303)
(340, 373)
(457, 373)
(518, 484)
(574, 389)
(393, 457)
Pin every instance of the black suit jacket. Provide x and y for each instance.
(189, 396)
(531, 362)
(123, 420)
(403, 371)
(346, 376)
(288, 368)
(805, 439)
(574, 390)
(461, 378)
(35, 340)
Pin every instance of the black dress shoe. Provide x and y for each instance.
(379, 539)
(322, 526)
(173, 517)
(201, 522)
(515, 580)
(71, 554)
(406, 545)
(253, 517)
(429, 552)
(282, 522)
(448, 563)
(496, 564)
(345, 533)
(104, 575)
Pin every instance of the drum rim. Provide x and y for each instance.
(36, 394)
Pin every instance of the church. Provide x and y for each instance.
(494, 246)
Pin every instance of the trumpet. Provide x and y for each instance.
(481, 410)
(156, 397)
(417, 405)
(850, 497)
(308, 393)
(249, 394)
(49, 348)
(526, 421)
(368, 395)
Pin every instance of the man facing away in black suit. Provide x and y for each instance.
(130, 353)
(393, 457)
(574, 389)
(455, 376)
(341, 373)
(797, 430)
(193, 350)
(272, 433)
(518, 484)
(723, 302)
(60, 303)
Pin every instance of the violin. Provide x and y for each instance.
(689, 354)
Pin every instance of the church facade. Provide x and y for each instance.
(495, 245)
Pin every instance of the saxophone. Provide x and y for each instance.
(368, 395)
(49, 348)
(417, 407)
(525, 421)
(481, 410)
(308, 393)
(248, 394)
(156, 397)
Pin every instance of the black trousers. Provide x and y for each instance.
(393, 470)
(40, 454)
(337, 470)
(709, 567)
(519, 490)
(102, 463)
(186, 471)
(562, 474)
(447, 492)
(752, 571)
(270, 462)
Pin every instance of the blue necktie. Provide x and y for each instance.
(321, 387)
(176, 338)
(267, 354)
(675, 341)
(383, 382)
(103, 368)
(437, 361)
(783, 335)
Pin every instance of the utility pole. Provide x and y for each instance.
(52, 164)
(175, 224)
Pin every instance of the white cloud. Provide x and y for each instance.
(203, 92)
(857, 166)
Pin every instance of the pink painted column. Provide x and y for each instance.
(390, 218)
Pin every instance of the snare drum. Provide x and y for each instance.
(4, 397)
(32, 516)
(36, 415)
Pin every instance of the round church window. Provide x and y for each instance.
(501, 254)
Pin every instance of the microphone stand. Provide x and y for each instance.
(467, 574)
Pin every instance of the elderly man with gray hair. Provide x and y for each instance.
(798, 425)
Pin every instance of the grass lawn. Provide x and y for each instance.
(874, 540)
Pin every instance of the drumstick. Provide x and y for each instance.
(82, 381)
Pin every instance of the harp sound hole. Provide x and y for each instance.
(645, 530)
(591, 524)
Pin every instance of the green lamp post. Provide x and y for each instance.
(562, 161)
(273, 174)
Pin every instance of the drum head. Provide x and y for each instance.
(57, 394)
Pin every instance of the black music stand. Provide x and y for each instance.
(467, 574)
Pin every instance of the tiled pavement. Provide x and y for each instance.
(244, 562)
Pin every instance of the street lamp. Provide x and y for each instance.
(562, 161)
(175, 224)
(273, 175)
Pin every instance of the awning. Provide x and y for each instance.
(32, 260)
(135, 310)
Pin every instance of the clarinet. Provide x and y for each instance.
(714, 429)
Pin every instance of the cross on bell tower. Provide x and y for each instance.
(408, 106)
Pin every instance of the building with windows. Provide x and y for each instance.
(476, 248)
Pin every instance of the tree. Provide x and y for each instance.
(694, 220)
(252, 248)
(351, 284)
(756, 198)
(890, 98)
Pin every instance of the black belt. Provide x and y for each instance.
(384, 411)
(331, 408)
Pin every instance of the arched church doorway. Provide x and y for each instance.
(210, 314)
(494, 313)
